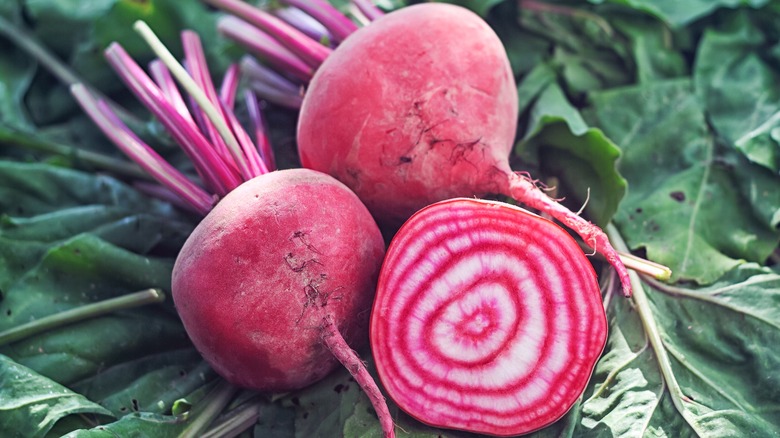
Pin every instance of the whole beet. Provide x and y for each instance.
(280, 262)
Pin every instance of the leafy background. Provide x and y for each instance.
(668, 111)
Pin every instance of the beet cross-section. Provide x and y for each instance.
(487, 318)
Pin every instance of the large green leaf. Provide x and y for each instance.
(741, 90)
(31, 405)
(719, 372)
(585, 47)
(16, 74)
(679, 13)
(69, 239)
(653, 47)
(685, 206)
(582, 159)
(481, 7)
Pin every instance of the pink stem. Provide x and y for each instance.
(312, 52)
(108, 122)
(227, 91)
(265, 46)
(256, 165)
(274, 95)
(198, 69)
(186, 134)
(339, 25)
(261, 133)
(162, 76)
(165, 194)
(368, 9)
(524, 190)
(305, 23)
(351, 361)
(259, 72)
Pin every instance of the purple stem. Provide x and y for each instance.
(255, 163)
(339, 25)
(259, 72)
(227, 91)
(185, 134)
(198, 70)
(312, 52)
(265, 46)
(368, 9)
(163, 193)
(270, 85)
(261, 133)
(108, 122)
(305, 23)
(162, 76)
(271, 94)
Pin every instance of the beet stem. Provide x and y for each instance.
(338, 24)
(184, 131)
(229, 86)
(196, 92)
(140, 152)
(369, 10)
(261, 133)
(352, 362)
(204, 412)
(524, 190)
(312, 52)
(265, 46)
(305, 23)
(650, 325)
(81, 313)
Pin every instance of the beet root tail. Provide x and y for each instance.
(352, 362)
(524, 190)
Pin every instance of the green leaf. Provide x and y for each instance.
(31, 405)
(135, 425)
(685, 206)
(680, 13)
(533, 84)
(741, 90)
(67, 239)
(586, 49)
(526, 50)
(481, 7)
(16, 75)
(583, 159)
(722, 380)
(653, 47)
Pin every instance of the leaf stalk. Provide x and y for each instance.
(651, 327)
(136, 299)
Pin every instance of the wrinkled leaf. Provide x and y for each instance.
(586, 49)
(581, 158)
(16, 74)
(741, 90)
(481, 7)
(69, 239)
(654, 52)
(685, 205)
(31, 405)
(136, 425)
(724, 371)
(680, 13)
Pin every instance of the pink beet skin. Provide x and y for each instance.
(417, 107)
(421, 106)
(277, 260)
